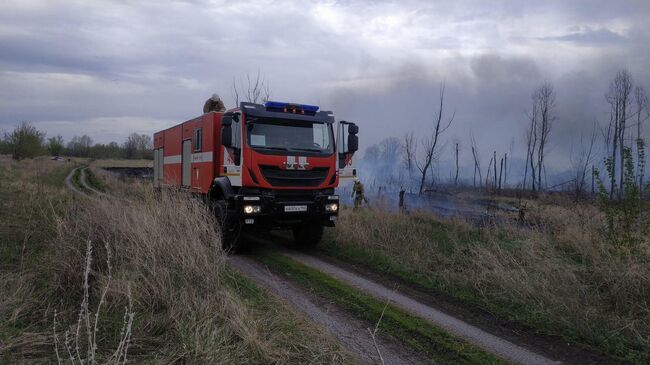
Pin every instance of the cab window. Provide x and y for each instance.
(198, 139)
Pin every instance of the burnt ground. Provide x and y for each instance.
(132, 172)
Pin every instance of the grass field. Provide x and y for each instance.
(559, 276)
(144, 279)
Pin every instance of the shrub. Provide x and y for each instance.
(626, 223)
(25, 141)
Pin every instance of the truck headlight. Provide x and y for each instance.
(332, 207)
(250, 209)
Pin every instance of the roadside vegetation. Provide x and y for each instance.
(143, 280)
(560, 273)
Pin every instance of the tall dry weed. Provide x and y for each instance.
(167, 252)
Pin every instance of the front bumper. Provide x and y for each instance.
(281, 210)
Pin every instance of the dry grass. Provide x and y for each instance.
(559, 275)
(110, 162)
(121, 163)
(166, 265)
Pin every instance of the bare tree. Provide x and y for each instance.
(431, 143)
(545, 95)
(542, 117)
(252, 90)
(500, 173)
(531, 144)
(457, 168)
(487, 176)
(505, 170)
(495, 170)
(582, 160)
(642, 114)
(619, 100)
(477, 164)
(410, 150)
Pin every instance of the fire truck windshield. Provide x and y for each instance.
(290, 135)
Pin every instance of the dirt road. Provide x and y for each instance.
(475, 335)
(352, 333)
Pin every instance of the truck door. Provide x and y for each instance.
(157, 167)
(186, 161)
(347, 170)
(232, 155)
(160, 166)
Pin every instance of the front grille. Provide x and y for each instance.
(279, 177)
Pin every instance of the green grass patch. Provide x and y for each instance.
(94, 181)
(57, 177)
(411, 331)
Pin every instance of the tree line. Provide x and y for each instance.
(26, 141)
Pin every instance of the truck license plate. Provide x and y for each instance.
(295, 208)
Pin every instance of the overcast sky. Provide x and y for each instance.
(109, 68)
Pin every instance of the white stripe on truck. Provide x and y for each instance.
(171, 159)
(202, 157)
(196, 157)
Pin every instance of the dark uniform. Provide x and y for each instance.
(214, 104)
(357, 193)
(402, 208)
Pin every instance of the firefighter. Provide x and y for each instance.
(357, 193)
(214, 104)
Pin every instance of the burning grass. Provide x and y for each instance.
(157, 282)
(560, 275)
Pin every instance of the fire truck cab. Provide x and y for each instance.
(261, 167)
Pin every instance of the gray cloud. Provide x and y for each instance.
(591, 36)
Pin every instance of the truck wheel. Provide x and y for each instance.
(230, 228)
(308, 235)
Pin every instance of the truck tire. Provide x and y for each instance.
(308, 235)
(229, 228)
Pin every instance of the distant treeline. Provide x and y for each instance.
(26, 141)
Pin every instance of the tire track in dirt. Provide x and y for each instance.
(83, 179)
(489, 342)
(71, 186)
(349, 331)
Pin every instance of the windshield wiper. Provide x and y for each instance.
(308, 149)
(273, 148)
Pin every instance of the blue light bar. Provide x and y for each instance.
(281, 106)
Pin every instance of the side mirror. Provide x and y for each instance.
(353, 142)
(226, 136)
(226, 120)
(353, 129)
(226, 130)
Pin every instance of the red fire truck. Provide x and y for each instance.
(261, 167)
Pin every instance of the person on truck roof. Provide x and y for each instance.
(214, 104)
